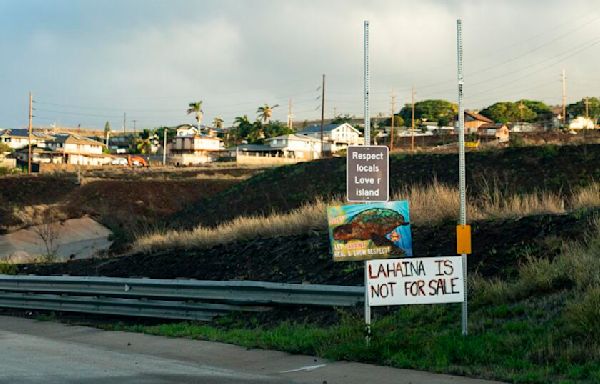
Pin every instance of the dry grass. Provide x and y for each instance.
(429, 204)
(301, 220)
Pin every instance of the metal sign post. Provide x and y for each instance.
(367, 142)
(461, 165)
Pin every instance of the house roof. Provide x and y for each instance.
(294, 137)
(316, 128)
(75, 139)
(477, 116)
(255, 148)
(492, 126)
(22, 132)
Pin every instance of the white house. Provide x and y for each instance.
(19, 138)
(336, 137)
(189, 147)
(80, 150)
(296, 146)
(581, 123)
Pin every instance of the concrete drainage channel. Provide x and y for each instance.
(161, 298)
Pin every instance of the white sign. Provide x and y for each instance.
(426, 280)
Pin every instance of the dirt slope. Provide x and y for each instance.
(498, 247)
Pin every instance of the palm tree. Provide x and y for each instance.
(265, 112)
(218, 122)
(241, 120)
(196, 107)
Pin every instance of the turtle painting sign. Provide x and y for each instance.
(369, 231)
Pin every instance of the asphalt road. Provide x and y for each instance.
(34, 352)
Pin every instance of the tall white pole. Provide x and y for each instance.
(366, 95)
(461, 163)
(165, 146)
(367, 142)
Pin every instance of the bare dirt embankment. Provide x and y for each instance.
(125, 206)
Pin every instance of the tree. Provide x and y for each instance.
(265, 112)
(341, 119)
(276, 128)
(441, 111)
(49, 232)
(398, 121)
(508, 112)
(542, 111)
(579, 108)
(218, 122)
(196, 107)
(243, 127)
(5, 148)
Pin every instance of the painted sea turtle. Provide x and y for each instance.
(371, 224)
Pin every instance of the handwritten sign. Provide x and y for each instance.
(367, 178)
(428, 280)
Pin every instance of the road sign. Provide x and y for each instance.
(367, 177)
(427, 280)
(463, 239)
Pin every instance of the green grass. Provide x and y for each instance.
(543, 326)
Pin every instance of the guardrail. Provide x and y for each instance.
(161, 298)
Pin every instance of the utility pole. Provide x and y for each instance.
(134, 131)
(564, 97)
(165, 146)
(393, 118)
(30, 132)
(290, 116)
(587, 107)
(334, 112)
(124, 121)
(322, 114)
(412, 139)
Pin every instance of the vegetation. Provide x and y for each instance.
(579, 108)
(440, 111)
(196, 108)
(541, 326)
(430, 205)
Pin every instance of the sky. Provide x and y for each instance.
(90, 61)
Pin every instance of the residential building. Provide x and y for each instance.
(498, 132)
(79, 150)
(19, 138)
(296, 146)
(336, 137)
(582, 122)
(474, 120)
(189, 147)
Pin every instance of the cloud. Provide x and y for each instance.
(97, 60)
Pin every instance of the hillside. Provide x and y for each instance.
(499, 246)
(512, 170)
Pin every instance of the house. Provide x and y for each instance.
(581, 122)
(76, 149)
(67, 149)
(19, 138)
(189, 147)
(336, 137)
(284, 149)
(301, 147)
(499, 132)
(474, 120)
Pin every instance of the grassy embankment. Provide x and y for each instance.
(541, 326)
(430, 204)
